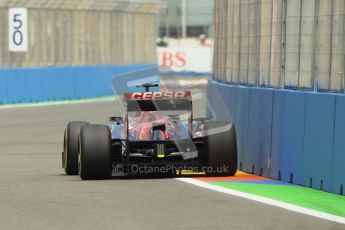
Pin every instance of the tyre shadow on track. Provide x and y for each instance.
(141, 177)
(183, 174)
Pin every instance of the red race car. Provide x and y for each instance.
(156, 135)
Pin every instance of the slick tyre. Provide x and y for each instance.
(94, 159)
(221, 149)
(70, 149)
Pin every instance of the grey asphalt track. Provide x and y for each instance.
(36, 194)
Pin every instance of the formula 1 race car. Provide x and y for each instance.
(157, 134)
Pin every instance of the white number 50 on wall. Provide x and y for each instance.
(18, 30)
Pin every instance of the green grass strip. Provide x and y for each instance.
(296, 195)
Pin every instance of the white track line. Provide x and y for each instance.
(57, 103)
(267, 201)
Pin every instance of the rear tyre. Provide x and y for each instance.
(95, 152)
(220, 153)
(70, 149)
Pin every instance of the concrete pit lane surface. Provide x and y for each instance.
(36, 194)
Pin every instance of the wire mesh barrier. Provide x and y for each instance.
(281, 43)
(87, 32)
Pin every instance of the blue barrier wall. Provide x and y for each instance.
(259, 130)
(18, 85)
(293, 136)
(319, 140)
(287, 136)
(338, 173)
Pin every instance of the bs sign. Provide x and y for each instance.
(18, 30)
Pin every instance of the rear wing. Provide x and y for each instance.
(158, 101)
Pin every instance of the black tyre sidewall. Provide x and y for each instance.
(95, 152)
(220, 155)
(70, 159)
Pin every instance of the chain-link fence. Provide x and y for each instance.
(82, 32)
(281, 43)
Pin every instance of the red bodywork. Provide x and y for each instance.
(141, 128)
(139, 125)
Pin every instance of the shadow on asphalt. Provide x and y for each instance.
(139, 177)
